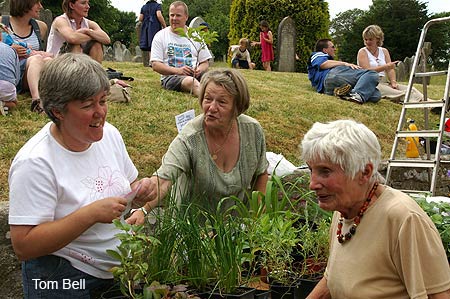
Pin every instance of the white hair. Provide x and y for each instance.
(346, 143)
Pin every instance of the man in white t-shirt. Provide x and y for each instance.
(180, 62)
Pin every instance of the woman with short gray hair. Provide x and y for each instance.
(68, 183)
(382, 245)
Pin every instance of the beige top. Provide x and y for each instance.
(396, 253)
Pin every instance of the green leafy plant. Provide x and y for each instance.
(439, 212)
(199, 39)
(132, 253)
(313, 248)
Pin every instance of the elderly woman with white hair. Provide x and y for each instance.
(383, 245)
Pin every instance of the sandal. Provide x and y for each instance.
(36, 106)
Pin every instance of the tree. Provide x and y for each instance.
(311, 18)
(216, 13)
(439, 36)
(401, 22)
(343, 23)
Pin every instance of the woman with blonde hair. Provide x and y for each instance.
(374, 57)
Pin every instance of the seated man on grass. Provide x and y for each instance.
(178, 60)
(346, 80)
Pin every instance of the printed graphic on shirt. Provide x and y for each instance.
(179, 55)
(107, 183)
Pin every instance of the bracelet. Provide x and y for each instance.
(139, 209)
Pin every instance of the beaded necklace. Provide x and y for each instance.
(347, 237)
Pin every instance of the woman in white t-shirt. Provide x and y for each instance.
(68, 183)
(374, 57)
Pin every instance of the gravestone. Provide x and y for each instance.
(4, 7)
(118, 51)
(126, 55)
(196, 22)
(108, 53)
(145, 55)
(286, 45)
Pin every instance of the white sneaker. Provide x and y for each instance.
(2, 109)
(353, 97)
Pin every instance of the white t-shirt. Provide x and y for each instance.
(238, 54)
(176, 51)
(48, 182)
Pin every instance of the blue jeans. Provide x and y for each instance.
(363, 82)
(51, 276)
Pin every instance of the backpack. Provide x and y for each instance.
(34, 25)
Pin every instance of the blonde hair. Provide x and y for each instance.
(374, 31)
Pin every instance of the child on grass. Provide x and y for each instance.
(240, 56)
(266, 43)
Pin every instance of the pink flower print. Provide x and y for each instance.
(107, 183)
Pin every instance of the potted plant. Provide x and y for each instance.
(439, 212)
(313, 249)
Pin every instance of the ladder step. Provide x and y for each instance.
(412, 163)
(423, 133)
(429, 74)
(424, 104)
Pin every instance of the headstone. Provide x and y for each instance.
(126, 55)
(4, 7)
(144, 54)
(47, 17)
(108, 53)
(286, 45)
(118, 51)
(400, 72)
(196, 22)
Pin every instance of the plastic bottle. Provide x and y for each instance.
(411, 142)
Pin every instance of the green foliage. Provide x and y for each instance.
(311, 18)
(439, 36)
(132, 253)
(401, 22)
(216, 13)
(439, 212)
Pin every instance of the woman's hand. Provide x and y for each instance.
(108, 209)
(393, 84)
(136, 218)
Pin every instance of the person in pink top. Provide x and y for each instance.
(266, 43)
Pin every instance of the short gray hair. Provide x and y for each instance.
(70, 77)
(346, 143)
(233, 82)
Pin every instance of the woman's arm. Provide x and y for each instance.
(161, 18)
(442, 295)
(31, 241)
(261, 182)
(320, 291)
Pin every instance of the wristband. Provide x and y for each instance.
(140, 209)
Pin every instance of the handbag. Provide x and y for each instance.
(119, 91)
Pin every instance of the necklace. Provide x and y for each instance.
(374, 53)
(347, 237)
(220, 147)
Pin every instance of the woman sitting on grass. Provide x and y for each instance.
(221, 152)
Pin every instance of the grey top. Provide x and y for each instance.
(189, 161)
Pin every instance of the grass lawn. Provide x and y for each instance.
(284, 104)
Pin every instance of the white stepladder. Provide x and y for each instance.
(431, 161)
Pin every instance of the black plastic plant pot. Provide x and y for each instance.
(241, 293)
(285, 292)
(262, 294)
